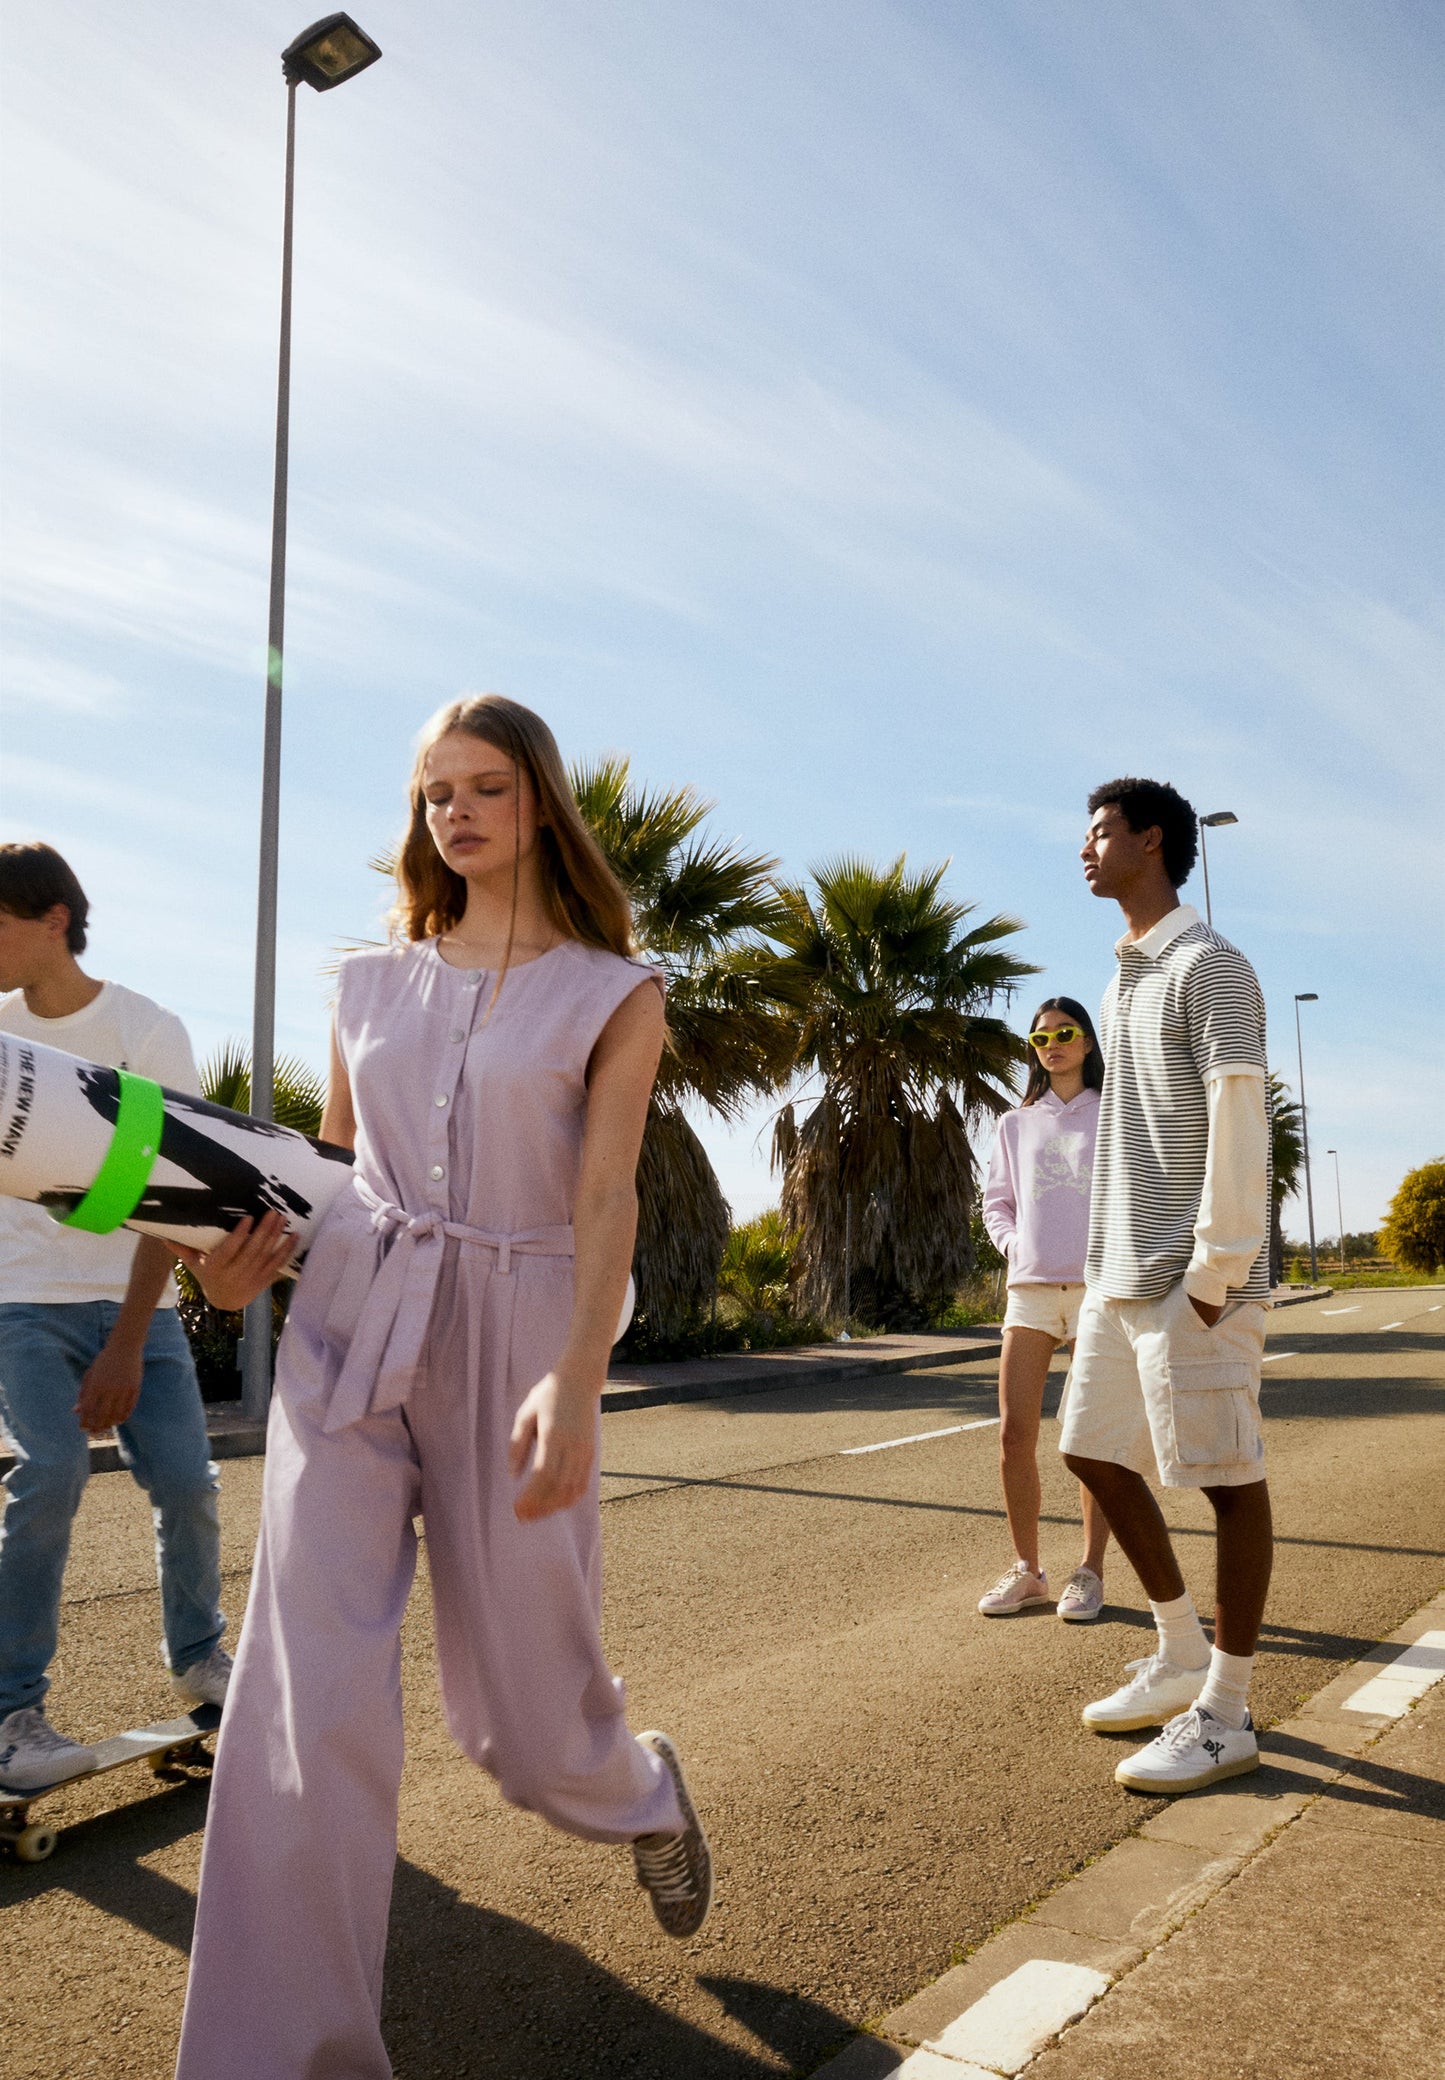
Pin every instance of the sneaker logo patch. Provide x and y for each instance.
(1214, 1749)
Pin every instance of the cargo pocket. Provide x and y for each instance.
(1214, 1412)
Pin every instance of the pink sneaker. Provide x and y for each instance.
(1083, 1597)
(1016, 1591)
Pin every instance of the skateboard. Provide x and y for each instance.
(169, 1746)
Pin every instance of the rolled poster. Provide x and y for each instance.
(103, 1149)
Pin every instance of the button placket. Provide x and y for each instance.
(463, 1016)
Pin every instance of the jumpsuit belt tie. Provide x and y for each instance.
(381, 1365)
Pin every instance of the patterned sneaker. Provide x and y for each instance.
(204, 1682)
(675, 1868)
(1016, 1591)
(1083, 1597)
(1194, 1751)
(33, 1755)
(1147, 1699)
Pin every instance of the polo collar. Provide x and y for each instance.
(1161, 935)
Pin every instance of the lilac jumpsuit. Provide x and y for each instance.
(434, 1298)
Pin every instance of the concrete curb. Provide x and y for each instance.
(654, 1386)
(1096, 1927)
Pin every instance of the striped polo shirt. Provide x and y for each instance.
(1183, 1005)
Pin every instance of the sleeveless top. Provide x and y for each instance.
(468, 1148)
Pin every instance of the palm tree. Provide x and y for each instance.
(299, 1095)
(892, 999)
(703, 911)
(757, 1263)
(1287, 1150)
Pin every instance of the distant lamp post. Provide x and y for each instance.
(1216, 822)
(327, 54)
(1306, 996)
(1339, 1206)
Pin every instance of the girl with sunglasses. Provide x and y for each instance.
(1036, 1211)
(444, 1356)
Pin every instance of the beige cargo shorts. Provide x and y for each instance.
(1153, 1389)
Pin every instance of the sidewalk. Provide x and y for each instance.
(1289, 1926)
(233, 1436)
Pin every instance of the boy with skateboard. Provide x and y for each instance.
(89, 1340)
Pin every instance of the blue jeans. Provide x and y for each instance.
(44, 1353)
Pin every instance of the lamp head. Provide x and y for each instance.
(1218, 819)
(1306, 996)
(330, 52)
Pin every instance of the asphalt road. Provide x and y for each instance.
(887, 1776)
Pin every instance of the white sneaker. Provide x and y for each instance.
(204, 1682)
(33, 1756)
(1147, 1699)
(1193, 1751)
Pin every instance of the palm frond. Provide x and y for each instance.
(299, 1093)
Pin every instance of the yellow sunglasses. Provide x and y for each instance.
(1062, 1034)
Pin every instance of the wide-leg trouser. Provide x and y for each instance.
(300, 1845)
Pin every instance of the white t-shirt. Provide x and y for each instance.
(42, 1261)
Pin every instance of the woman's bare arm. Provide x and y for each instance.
(556, 1421)
(338, 1117)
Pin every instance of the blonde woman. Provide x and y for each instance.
(445, 1355)
(1036, 1211)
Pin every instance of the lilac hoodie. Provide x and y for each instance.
(1036, 1201)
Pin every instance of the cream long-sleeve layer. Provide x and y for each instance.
(1234, 1204)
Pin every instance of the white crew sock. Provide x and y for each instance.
(1181, 1636)
(1226, 1693)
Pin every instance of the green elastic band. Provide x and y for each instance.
(126, 1169)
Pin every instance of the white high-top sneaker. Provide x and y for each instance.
(33, 1755)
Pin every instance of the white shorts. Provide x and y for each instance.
(1054, 1310)
(1153, 1389)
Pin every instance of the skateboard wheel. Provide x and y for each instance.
(34, 1844)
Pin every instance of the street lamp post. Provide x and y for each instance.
(327, 54)
(1211, 823)
(1339, 1206)
(1306, 996)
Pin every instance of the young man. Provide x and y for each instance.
(90, 1338)
(1171, 1331)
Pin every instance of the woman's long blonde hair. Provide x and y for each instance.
(584, 898)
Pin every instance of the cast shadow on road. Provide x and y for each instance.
(469, 1992)
(1343, 1647)
(477, 1994)
(101, 1861)
(735, 1484)
(1364, 1783)
(1355, 1343)
(1359, 1399)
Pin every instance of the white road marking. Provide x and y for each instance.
(1015, 2019)
(1435, 1309)
(1400, 1682)
(1392, 1325)
(855, 1451)
(1339, 1310)
(1274, 1357)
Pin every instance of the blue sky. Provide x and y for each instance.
(891, 419)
